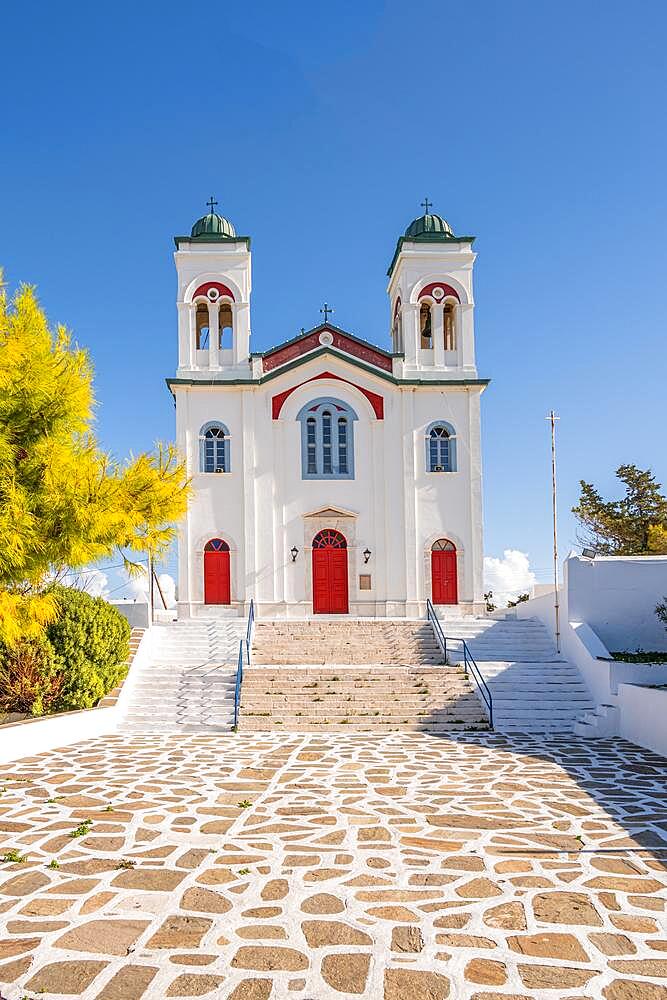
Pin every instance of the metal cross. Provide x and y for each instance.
(427, 204)
(211, 202)
(326, 310)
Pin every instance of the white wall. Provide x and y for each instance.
(644, 717)
(34, 736)
(263, 507)
(616, 596)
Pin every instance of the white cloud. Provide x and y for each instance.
(508, 577)
(92, 581)
(168, 585)
(95, 583)
(137, 589)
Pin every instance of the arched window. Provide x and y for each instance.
(397, 329)
(425, 326)
(201, 325)
(440, 447)
(214, 448)
(450, 327)
(225, 325)
(327, 439)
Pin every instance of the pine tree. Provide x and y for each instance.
(65, 503)
(634, 525)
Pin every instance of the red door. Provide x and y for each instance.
(443, 573)
(330, 573)
(217, 583)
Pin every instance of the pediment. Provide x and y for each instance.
(330, 512)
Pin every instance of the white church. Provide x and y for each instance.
(330, 476)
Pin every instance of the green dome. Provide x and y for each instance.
(213, 225)
(428, 225)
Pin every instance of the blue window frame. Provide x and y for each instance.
(440, 447)
(214, 448)
(327, 439)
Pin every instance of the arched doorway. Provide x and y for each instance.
(217, 577)
(444, 584)
(330, 595)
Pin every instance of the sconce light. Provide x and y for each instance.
(367, 555)
(294, 553)
(588, 553)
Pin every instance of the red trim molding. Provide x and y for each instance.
(366, 352)
(377, 402)
(448, 290)
(222, 289)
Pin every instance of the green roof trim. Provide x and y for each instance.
(355, 362)
(212, 238)
(430, 237)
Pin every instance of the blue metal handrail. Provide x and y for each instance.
(247, 643)
(249, 630)
(469, 664)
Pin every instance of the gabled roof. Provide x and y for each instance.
(310, 340)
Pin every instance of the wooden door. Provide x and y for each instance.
(217, 576)
(330, 592)
(444, 584)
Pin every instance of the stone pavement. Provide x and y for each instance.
(395, 867)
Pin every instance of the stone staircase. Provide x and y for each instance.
(350, 641)
(375, 675)
(187, 683)
(380, 700)
(534, 690)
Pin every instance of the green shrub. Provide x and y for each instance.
(29, 679)
(90, 639)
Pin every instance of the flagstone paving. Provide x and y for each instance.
(401, 866)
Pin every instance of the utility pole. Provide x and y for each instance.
(151, 592)
(552, 418)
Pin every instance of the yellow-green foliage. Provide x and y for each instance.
(64, 503)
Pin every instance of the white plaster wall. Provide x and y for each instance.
(616, 596)
(229, 263)
(419, 264)
(217, 508)
(396, 509)
(449, 503)
(643, 715)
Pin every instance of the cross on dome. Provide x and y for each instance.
(211, 203)
(426, 204)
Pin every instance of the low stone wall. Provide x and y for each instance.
(643, 715)
(35, 735)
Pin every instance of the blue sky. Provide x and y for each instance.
(319, 128)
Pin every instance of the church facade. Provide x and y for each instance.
(330, 476)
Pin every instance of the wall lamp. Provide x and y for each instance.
(294, 553)
(588, 553)
(367, 555)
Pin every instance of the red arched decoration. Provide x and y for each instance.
(222, 289)
(330, 593)
(376, 401)
(444, 582)
(447, 289)
(217, 576)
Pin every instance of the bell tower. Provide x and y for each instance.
(214, 284)
(431, 299)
